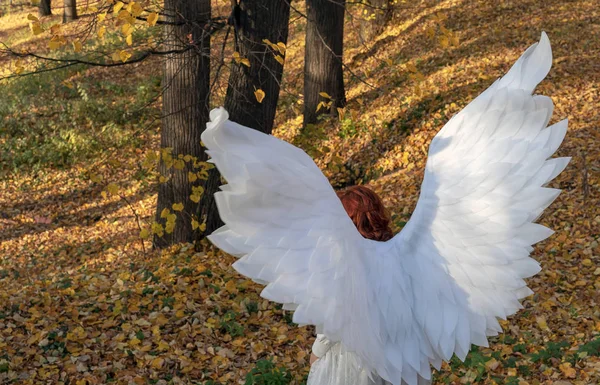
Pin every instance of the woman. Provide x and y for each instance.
(330, 362)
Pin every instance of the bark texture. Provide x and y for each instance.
(185, 112)
(69, 11)
(323, 69)
(44, 8)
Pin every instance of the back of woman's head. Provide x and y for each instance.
(366, 210)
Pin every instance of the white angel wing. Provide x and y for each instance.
(438, 286)
(466, 247)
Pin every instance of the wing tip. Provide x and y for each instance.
(217, 117)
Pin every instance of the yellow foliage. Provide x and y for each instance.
(152, 19)
(112, 188)
(117, 7)
(177, 206)
(260, 95)
(36, 28)
(77, 46)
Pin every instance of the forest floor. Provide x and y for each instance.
(84, 300)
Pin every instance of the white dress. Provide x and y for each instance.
(337, 366)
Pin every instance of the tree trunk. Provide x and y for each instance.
(69, 11)
(378, 13)
(254, 21)
(44, 8)
(323, 70)
(185, 113)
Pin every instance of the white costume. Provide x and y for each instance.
(441, 283)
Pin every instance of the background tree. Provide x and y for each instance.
(44, 8)
(261, 32)
(323, 72)
(69, 10)
(376, 13)
(186, 83)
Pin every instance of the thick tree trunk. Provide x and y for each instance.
(378, 13)
(254, 21)
(323, 70)
(69, 11)
(185, 113)
(44, 8)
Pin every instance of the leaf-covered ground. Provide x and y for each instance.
(81, 301)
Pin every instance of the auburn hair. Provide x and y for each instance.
(367, 211)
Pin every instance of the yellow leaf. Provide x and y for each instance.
(177, 206)
(171, 218)
(115, 56)
(179, 164)
(279, 59)
(198, 190)
(195, 198)
(169, 227)
(202, 227)
(124, 55)
(454, 41)
(152, 19)
(325, 95)
(270, 44)
(112, 188)
(77, 46)
(541, 321)
(157, 229)
(118, 7)
(567, 370)
(192, 176)
(36, 28)
(129, 39)
(444, 42)
(136, 9)
(320, 105)
(245, 62)
(144, 234)
(93, 9)
(127, 29)
(96, 178)
(32, 18)
(163, 179)
(101, 32)
(157, 363)
(430, 32)
(54, 43)
(101, 17)
(260, 95)
(164, 212)
(195, 224)
(125, 15)
(411, 67)
(281, 46)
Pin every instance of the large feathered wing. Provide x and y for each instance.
(466, 247)
(439, 285)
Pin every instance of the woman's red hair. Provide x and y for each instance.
(366, 210)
